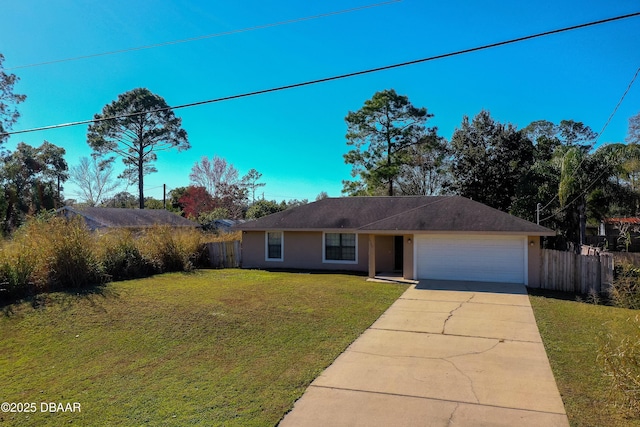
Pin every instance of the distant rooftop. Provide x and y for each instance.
(97, 218)
(627, 220)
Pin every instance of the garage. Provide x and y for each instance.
(483, 258)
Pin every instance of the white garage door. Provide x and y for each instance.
(477, 258)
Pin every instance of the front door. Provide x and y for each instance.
(398, 251)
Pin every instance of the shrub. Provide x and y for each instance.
(169, 249)
(72, 259)
(625, 290)
(621, 362)
(121, 257)
(17, 265)
(49, 253)
(55, 253)
(224, 236)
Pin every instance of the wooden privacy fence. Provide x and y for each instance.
(224, 254)
(571, 272)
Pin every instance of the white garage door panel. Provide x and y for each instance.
(477, 258)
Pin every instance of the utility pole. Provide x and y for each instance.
(538, 206)
(164, 196)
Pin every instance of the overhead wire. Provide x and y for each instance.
(207, 36)
(333, 78)
(595, 141)
(584, 192)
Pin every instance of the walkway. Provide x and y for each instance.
(444, 354)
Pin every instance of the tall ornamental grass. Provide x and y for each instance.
(121, 257)
(57, 254)
(168, 249)
(620, 358)
(625, 290)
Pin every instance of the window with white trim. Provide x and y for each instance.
(340, 247)
(274, 242)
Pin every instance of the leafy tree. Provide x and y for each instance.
(195, 201)
(427, 171)
(381, 132)
(575, 133)
(588, 186)
(294, 203)
(617, 193)
(572, 182)
(489, 161)
(232, 198)
(152, 203)
(250, 182)
(174, 197)
(122, 199)
(33, 180)
(54, 166)
(208, 217)
(8, 100)
(94, 180)
(135, 127)
(629, 171)
(263, 208)
(551, 142)
(220, 179)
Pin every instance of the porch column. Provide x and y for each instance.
(372, 255)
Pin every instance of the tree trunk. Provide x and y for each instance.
(389, 165)
(141, 185)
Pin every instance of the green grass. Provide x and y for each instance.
(572, 333)
(214, 347)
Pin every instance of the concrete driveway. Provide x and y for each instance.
(444, 354)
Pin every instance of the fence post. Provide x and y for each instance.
(606, 273)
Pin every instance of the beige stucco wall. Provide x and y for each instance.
(407, 267)
(302, 250)
(534, 261)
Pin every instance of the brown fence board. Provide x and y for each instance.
(224, 254)
(570, 272)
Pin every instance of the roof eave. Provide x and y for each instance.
(541, 233)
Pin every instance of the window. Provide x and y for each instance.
(340, 247)
(273, 246)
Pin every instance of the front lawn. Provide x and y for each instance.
(214, 347)
(572, 333)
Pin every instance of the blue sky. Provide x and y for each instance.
(295, 138)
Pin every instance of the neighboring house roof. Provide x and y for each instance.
(225, 223)
(407, 213)
(630, 220)
(222, 225)
(96, 218)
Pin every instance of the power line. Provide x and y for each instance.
(333, 78)
(208, 36)
(615, 110)
(595, 142)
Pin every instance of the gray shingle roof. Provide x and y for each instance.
(409, 213)
(126, 218)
